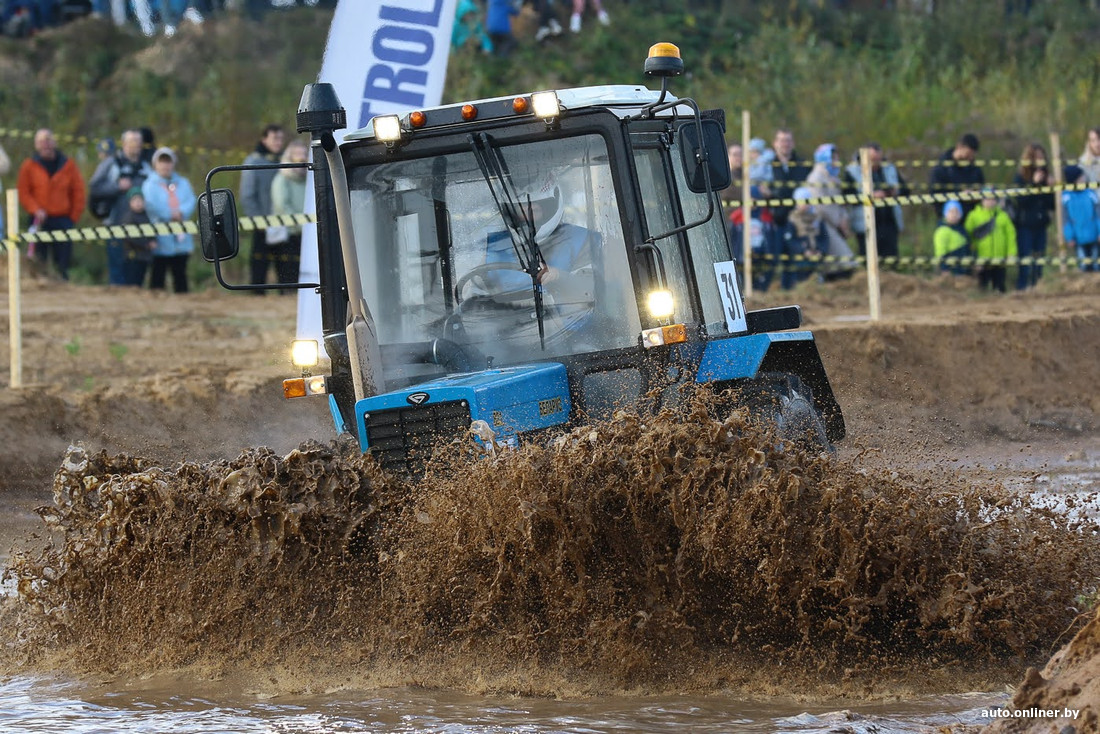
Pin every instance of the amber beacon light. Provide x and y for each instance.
(664, 60)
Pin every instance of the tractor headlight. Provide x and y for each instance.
(304, 353)
(546, 105)
(387, 128)
(661, 304)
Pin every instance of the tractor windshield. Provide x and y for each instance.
(510, 255)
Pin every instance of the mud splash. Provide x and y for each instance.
(651, 553)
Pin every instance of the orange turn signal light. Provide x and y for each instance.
(520, 105)
(305, 386)
(469, 112)
(417, 119)
(675, 333)
(661, 335)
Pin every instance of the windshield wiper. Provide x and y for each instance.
(495, 171)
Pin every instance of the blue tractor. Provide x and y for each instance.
(525, 263)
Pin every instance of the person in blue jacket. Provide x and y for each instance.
(169, 199)
(1082, 221)
(468, 25)
(498, 22)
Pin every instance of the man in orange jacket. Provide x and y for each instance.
(52, 191)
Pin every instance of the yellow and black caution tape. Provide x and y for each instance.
(127, 231)
(276, 220)
(901, 261)
(939, 198)
(247, 224)
(84, 140)
(948, 163)
(912, 186)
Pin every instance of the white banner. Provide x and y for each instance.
(382, 57)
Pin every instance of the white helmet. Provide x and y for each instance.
(546, 194)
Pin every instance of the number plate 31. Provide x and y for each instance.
(733, 307)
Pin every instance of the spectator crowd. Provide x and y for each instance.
(802, 227)
(490, 22)
(794, 234)
(136, 182)
(23, 18)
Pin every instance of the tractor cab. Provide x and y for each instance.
(492, 255)
(529, 261)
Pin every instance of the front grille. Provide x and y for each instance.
(401, 439)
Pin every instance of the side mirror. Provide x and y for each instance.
(714, 143)
(218, 225)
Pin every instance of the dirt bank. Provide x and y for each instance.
(1067, 690)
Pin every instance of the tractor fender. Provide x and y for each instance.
(739, 358)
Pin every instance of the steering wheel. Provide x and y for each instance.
(454, 357)
(479, 272)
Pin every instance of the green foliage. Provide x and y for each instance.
(118, 350)
(73, 346)
(909, 80)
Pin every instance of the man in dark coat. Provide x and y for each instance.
(957, 172)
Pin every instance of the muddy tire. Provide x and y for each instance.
(782, 401)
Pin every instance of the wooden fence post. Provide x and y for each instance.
(866, 186)
(15, 314)
(1059, 215)
(746, 207)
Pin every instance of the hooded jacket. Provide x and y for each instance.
(1081, 225)
(950, 240)
(60, 194)
(992, 233)
(156, 190)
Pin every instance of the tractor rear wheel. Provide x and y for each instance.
(782, 401)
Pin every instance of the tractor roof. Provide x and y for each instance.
(623, 100)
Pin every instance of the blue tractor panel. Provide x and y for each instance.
(400, 427)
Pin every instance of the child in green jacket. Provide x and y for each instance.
(951, 240)
(994, 238)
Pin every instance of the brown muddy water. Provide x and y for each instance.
(659, 573)
(179, 706)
